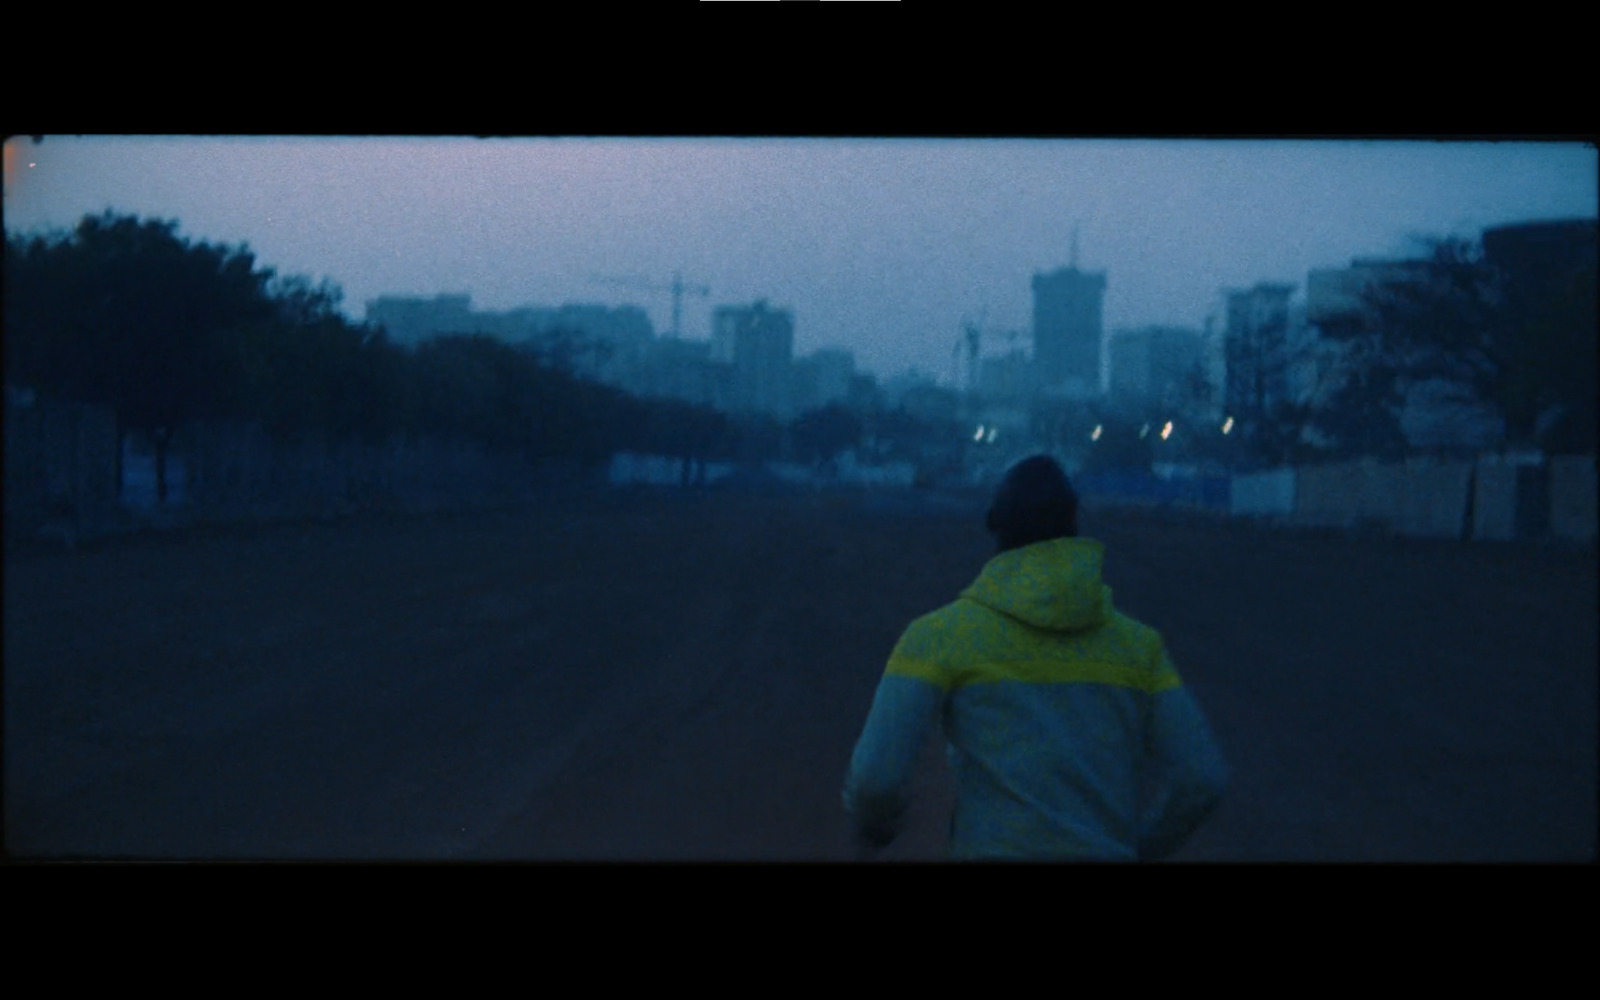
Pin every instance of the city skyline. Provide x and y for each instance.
(885, 247)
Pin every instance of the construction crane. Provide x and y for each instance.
(677, 288)
(970, 342)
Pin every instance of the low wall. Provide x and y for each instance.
(1431, 499)
(1420, 498)
(1494, 500)
(1342, 494)
(1211, 492)
(1572, 498)
(1263, 494)
(60, 463)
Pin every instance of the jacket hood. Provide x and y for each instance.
(1051, 585)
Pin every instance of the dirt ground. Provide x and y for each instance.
(664, 676)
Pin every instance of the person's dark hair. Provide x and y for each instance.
(1034, 503)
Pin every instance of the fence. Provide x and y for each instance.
(1420, 498)
(236, 470)
(1493, 498)
(61, 474)
(1210, 492)
(60, 465)
(1572, 498)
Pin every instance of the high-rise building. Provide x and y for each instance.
(759, 343)
(1007, 378)
(1540, 259)
(1547, 271)
(1067, 330)
(822, 378)
(683, 369)
(1158, 366)
(1258, 351)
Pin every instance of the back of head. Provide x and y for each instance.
(1035, 503)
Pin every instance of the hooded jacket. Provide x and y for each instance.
(1069, 732)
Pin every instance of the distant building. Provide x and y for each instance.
(822, 378)
(1158, 366)
(604, 343)
(1548, 272)
(683, 370)
(1007, 378)
(410, 321)
(1067, 331)
(1257, 351)
(865, 395)
(931, 402)
(598, 341)
(896, 387)
(1539, 258)
(759, 344)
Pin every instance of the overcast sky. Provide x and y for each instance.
(881, 245)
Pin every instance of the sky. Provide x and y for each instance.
(883, 246)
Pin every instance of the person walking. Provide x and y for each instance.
(1069, 732)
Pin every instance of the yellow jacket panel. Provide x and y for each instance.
(1070, 733)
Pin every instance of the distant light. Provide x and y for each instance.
(978, 436)
(1227, 425)
(1167, 430)
(992, 432)
(1094, 435)
(1144, 432)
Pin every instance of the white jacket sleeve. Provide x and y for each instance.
(904, 713)
(1182, 775)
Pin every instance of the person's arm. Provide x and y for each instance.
(876, 790)
(1183, 774)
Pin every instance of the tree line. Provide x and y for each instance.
(166, 331)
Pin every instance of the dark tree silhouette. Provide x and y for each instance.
(822, 435)
(1521, 340)
(126, 313)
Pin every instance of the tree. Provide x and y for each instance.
(126, 313)
(1519, 339)
(1360, 414)
(308, 369)
(821, 435)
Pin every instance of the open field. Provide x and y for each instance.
(663, 676)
